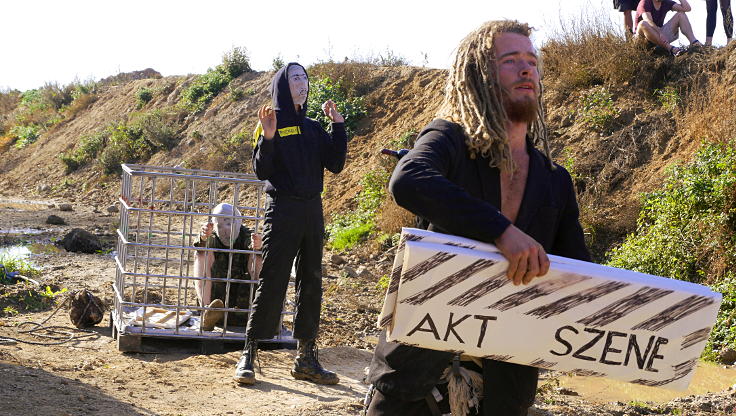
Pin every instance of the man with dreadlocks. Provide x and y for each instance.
(475, 172)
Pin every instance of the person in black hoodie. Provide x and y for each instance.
(475, 172)
(291, 154)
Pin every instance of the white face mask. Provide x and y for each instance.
(225, 225)
(298, 84)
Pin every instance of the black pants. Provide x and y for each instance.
(508, 390)
(710, 19)
(293, 229)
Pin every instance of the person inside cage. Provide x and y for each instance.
(225, 231)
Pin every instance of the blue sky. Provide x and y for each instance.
(52, 41)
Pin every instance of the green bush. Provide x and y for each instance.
(87, 150)
(351, 108)
(597, 109)
(348, 229)
(277, 63)
(25, 135)
(144, 95)
(157, 130)
(724, 332)
(235, 62)
(668, 97)
(687, 230)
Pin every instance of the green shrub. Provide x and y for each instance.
(203, 89)
(687, 231)
(157, 130)
(597, 109)
(235, 62)
(351, 108)
(236, 93)
(126, 144)
(668, 97)
(724, 332)
(144, 95)
(277, 63)
(348, 229)
(87, 150)
(25, 135)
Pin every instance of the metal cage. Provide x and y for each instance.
(162, 210)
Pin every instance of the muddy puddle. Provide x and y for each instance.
(708, 378)
(21, 231)
(23, 205)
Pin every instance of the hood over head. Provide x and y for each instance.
(283, 102)
(224, 226)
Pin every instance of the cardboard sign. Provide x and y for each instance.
(451, 294)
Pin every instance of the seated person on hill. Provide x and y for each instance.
(650, 23)
(225, 233)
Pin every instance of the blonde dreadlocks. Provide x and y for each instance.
(474, 98)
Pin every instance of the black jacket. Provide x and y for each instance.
(438, 180)
(293, 162)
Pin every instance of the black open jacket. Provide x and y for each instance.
(438, 181)
(293, 162)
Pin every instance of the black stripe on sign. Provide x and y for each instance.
(568, 302)
(681, 370)
(386, 320)
(426, 265)
(582, 372)
(393, 285)
(695, 337)
(675, 312)
(541, 363)
(452, 280)
(543, 288)
(624, 306)
(478, 291)
(498, 357)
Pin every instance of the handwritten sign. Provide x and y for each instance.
(451, 294)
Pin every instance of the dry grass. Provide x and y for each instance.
(590, 51)
(81, 103)
(355, 77)
(5, 143)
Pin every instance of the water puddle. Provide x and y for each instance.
(16, 252)
(23, 205)
(22, 231)
(708, 378)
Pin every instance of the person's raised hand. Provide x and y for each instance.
(257, 241)
(267, 117)
(330, 110)
(527, 258)
(206, 231)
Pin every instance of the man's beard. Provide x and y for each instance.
(522, 110)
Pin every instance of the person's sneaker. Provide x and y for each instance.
(211, 318)
(307, 366)
(244, 373)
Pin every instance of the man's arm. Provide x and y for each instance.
(263, 164)
(335, 145)
(683, 6)
(647, 17)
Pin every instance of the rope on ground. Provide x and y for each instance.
(55, 334)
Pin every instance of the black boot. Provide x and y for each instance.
(244, 373)
(307, 367)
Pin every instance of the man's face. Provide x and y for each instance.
(516, 62)
(298, 84)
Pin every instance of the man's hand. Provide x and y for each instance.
(206, 231)
(256, 241)
(330, 110)
(268, 121)
(527, 258)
